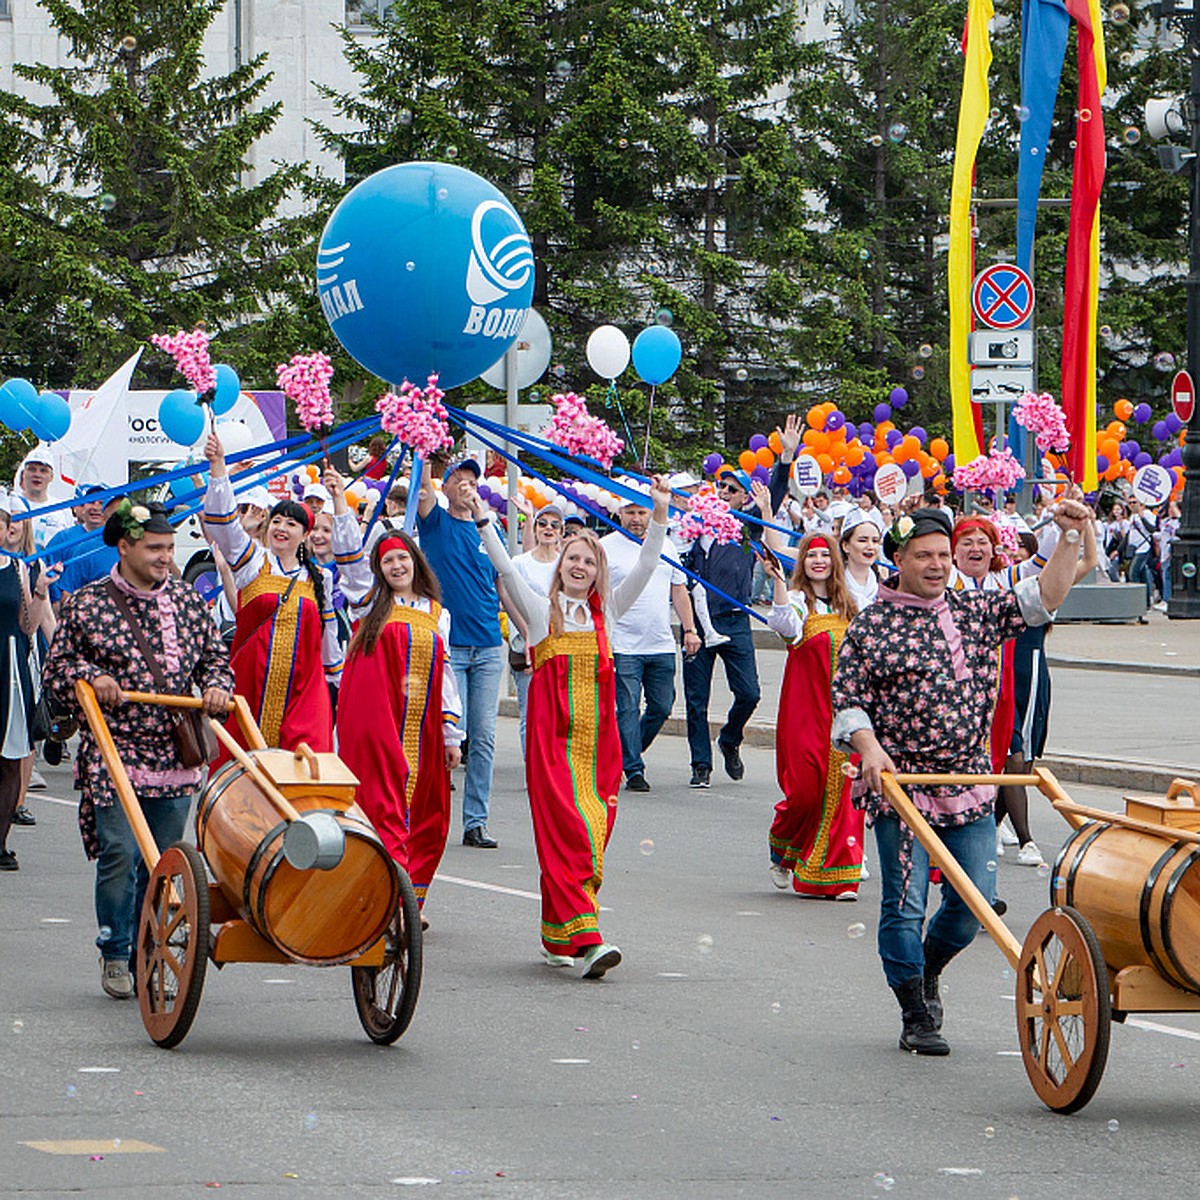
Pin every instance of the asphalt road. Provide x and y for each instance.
(747, 1044)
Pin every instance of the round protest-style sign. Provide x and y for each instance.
(534, 347)
(425, 268)
(1152, 485)
(806, 475)
(891, 483)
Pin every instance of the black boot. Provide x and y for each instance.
(937, 955)
(919, 1035)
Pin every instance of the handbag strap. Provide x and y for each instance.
(121, 603)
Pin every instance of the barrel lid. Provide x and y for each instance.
(288, 770)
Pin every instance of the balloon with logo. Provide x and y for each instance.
(425, 268)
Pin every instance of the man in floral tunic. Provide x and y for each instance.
(95, 642)
(913, 692)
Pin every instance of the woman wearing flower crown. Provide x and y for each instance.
(573, 752)
(816, 838)
(399, 709)
(286, 644)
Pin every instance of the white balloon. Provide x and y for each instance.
(608, 351)
(235, 436)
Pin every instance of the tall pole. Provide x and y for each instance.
(1185, 550)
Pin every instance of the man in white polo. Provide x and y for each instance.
(643, 645)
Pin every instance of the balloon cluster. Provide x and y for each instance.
(181, 412)
(416, 416)
(359, 492)
(305, 382)
(656, 353)
(1121, 457)
(497, 497)
(46, 415)
(576, 431)
(848, 455)
(574, 498)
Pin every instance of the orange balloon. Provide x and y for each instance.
(765, 457)
(313, 473)
(747, 461)
(825, 463)
(1110, 448)
(884, 456)
(820, 442)
(839, 434)
(855, 454)
(774, 441)
(1116, 429)
(1123, 410)
(815, 417)
(842, 474)
(929, 468)
(939, 482)
(902, 453)
(939, 448)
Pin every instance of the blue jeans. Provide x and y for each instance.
(522, 679)
(901, 945)
(1140, 572)
(653, 674)
(741, 672)
(121, 874)
(477, 672)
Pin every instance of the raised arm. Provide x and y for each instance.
(622, 597)
(243, 554)
(534, 609)
(1059, 573)
(354, 569)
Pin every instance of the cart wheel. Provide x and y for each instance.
(1064, 1011)
(387, 996)
(173, 943)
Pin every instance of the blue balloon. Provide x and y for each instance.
(425, 268)
(227, 390)
(180, 417)
(53, 417)
(656, 354)
(18, 404)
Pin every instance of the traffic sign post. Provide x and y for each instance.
(1002, 296)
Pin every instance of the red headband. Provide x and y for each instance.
(390, 543)
(818, 541)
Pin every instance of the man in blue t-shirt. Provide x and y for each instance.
(450, 540)
(81, 549)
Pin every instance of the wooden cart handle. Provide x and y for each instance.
(1184, 785)
(304, 753)
(165, 699)
(953, 780)
(237, 705)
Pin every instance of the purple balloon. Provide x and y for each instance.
(1176, 457)
(866, 433)
(1160, 431)
(758, 442)
(894, 438)
(835, 421)
(1102, 464)
(496, 501)
(898, 397)
(882, 413)
(761, 474)
(919, 433)
(712, 462)
(484, 490)
(911, 468)
(1141, 413)
(1125, 452)
(1142, 460)
(1134, 448)
(868, 463)
(948, 464)
(1173, 423)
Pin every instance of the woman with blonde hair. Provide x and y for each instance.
(573, 751)
(816, 837)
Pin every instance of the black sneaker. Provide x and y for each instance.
(637, 783)
(734, 767)
(23, 816)
(479, 837)
(8, 861)
(701, 777)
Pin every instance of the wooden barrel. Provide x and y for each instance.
(317, 917)
(1140, 893)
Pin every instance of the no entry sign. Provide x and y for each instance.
(1002, 296)
(1183, 396)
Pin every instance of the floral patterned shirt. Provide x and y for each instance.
(922, 675)
(93, 638)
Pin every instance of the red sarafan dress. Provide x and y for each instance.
(817, 833)
(573, 772)
(395, 707)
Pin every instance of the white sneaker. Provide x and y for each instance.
(999, 846)
(1030, 856)
(781, 877)
(715, 639)
(1007, 837)
(847, 895)
(600, 959)
(864, 873)
(37, 782)
(557, 960)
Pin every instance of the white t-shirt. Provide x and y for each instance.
(539, 576)
(646, 626)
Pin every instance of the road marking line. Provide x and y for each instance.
(111, 1146)
(1155, 1027)
(495, 887)
(53, 800)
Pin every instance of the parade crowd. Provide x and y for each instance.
(914, 637)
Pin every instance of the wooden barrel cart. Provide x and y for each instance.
(298, 876)
(1122, 934)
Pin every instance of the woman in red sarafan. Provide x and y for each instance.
(572, 747)
(816, 837)
(399, 709)
(286, 644)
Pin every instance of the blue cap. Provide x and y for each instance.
(84, 490)
(742, 478)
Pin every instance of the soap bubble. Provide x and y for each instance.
(410, 265)
(647, 846)
(857, 930)
(974, 231)
(1114, 1125)
(991, 864)
(1164, 360)
(72, 1091)
(665, 316)
(622, 143)
(897, 132)
(926, 350)
(852, 841)
(741, 374)
(1022, 111)
(107, 202)
(989, 1132)
(635, 1046)
(776, 1008)
(562, 69)
(876, 139)
(1119, 14)
(105, 932)
(918, 372)
(405, 117)
(849, 770)
(18, 1026)
(451, 151)
(704, 944)
(1059, 881)
(1085, 115)
(1131, 135)
(1072, 144)
(559, 370)
(129, 43)
(1106, 331)
(443, 193)
(883, 1181)
(864, 254)
(311, 1121)
(994, 114)
(1043, 870)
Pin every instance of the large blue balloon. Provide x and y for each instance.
(18, 403)
(52, 419)
(180, 417)
(228, 389)
(425, 267)
(656, 354)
